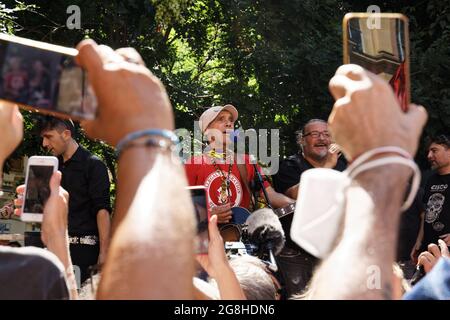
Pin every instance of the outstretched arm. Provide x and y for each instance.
(54, 229)
(368, 241)
(217, 266)
(366, 115)
(151, 255)
(11, 122)
(151, 252)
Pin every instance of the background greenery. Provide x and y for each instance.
(271, 58)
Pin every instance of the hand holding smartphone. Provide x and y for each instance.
(380, 43)
(37, 187)
(45, 78)
(200, 201)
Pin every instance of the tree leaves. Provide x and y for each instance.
(271, 58)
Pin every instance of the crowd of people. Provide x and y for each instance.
(147, 250)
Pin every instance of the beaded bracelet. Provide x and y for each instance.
(170, 139)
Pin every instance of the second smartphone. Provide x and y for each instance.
(380, 43)
(37, 187)
(199, 197)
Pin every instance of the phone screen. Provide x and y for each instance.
(37, 188)
(381, 45)
(202, 216)
(45, 80)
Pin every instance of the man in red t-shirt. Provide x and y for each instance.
(218, 171)
(15, 81)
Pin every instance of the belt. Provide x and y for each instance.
(88, 240)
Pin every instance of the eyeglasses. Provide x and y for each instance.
(316, 134)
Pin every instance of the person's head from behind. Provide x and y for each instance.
(314, 139)
(439, 153)
(56, 134)
(255, 279)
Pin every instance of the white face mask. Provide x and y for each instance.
(319, 210)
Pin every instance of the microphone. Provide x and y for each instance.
(418, 275)
(236, 135)
(240, 134)
(265, 231)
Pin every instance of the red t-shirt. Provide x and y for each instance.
(15, 81)
(201, 171)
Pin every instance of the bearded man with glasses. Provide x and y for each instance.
(316, 150)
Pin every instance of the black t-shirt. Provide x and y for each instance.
(86, 179)
(292, 168)
(437, 212)
(288, 176)
(31, 274)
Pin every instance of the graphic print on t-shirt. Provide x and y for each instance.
(434, 207)
(213, 183)
(437, 212)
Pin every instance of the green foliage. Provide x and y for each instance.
(271, 58)
(168, 11)
(8, 16)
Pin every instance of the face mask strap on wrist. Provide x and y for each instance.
(363, 163)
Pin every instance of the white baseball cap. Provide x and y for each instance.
(210, 114)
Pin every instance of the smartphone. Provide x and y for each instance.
(37, 187)
(199, 196)
(43, 77)
(379, 42)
